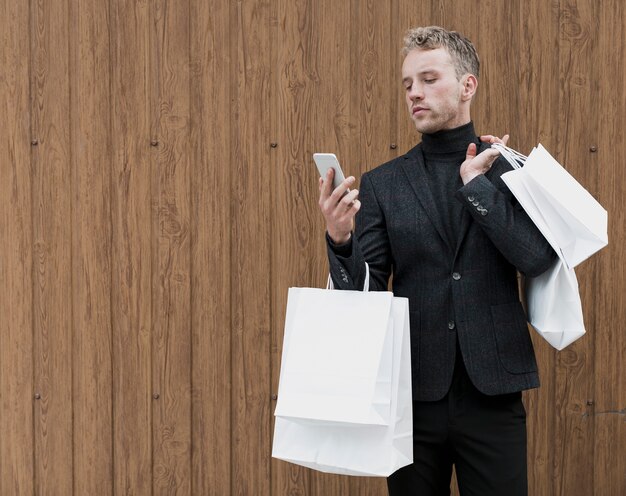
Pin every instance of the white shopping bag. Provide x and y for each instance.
(554, 307)
(571, 220)
(344, 398)
(574, 224)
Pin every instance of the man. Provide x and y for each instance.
(442, 222)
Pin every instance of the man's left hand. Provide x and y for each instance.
(475, 165)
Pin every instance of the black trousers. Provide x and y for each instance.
(484, 437)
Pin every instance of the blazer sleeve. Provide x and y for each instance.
(494, 208)
(369, 243)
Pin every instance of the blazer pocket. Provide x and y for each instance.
(515, 348)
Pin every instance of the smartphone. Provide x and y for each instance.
(325, 161)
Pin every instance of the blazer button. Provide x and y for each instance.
(456, 276)
(483, 211)
(470, 198)
(451, 325)
(475, 203)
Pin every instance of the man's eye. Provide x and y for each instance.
(429, 81)
(407, 87)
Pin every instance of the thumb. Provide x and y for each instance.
(471, 151)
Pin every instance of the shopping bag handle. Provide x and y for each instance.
(515, 158)
(366, 286)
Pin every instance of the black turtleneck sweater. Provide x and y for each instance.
(444, 152)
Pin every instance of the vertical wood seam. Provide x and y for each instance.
(234, 128)
(111, 246)
(552, 401)
(272, 195)
(595, 280)
(151, 160)
(32, 241)
(190, 245)
(71, 69)
(188, 170)
(230, 258)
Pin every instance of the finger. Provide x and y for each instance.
(349, 199)
(354, 208)
(339, 191)
(352, 211)
(490, 138)
(491, 154)
(471, 151)
(328, 183)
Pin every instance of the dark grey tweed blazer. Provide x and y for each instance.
(469, 290)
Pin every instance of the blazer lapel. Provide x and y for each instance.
(466, 220)
(413, 166)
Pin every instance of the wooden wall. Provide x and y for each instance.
(158, 198)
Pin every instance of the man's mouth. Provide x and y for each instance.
(417, 110)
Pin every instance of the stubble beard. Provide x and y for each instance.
(437, 121)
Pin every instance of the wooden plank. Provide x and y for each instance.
(251, 271)
(497, 40)
(373, 95)
(210, 247)
(171, 272)
(536, 121)
(297, 38)
(373, 89)
(409, 15)
(52, 303)
(91, 247)
(16, 263)
(537, 111)
(609, 282)
(573, 441)
(131, 248)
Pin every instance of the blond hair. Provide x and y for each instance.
(461, 50)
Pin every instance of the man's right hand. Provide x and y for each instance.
(338, 211)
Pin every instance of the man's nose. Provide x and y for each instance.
(416, 92)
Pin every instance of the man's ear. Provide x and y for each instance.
(470, 84)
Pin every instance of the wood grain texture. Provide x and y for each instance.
(409, 15)
(251, 271)
(295, 55)
(91, 248)
(210, 152)
(539, 104)
(373, 88)
(609, 279)
(373, 93)
(171, 255)
(574, 366)
(131, 302)
(52, 299)
(16, 299)
(313, 91)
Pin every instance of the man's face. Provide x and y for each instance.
(436, 99)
